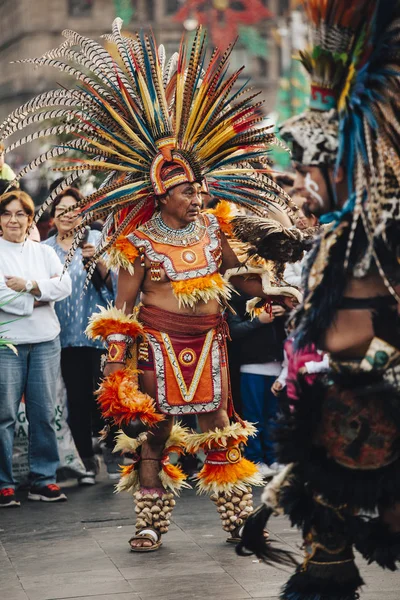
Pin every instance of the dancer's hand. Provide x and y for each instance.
(266, 317)
(278, 310)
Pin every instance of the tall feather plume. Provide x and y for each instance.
(120, 111)
(170, 69)
(63, 66)
(162, 58)
(100, 57)
(47, 99)
(66, 182)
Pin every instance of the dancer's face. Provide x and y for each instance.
(183, 203)
(310, 184)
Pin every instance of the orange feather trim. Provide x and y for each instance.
(174, 472)
(232, 435)
(176, 449)
(172, 477)
(124, 245)
(127, 469)
(113, 320)
(122, 254)
(119, 397)
(209, 287)
(224, 214)
(225, 478)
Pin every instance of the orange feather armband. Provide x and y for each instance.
(111, 321)
(117, 330)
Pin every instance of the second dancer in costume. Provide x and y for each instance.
(341, 438)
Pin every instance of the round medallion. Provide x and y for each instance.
(187, 357)
(357, 431)
(233, 455)
(189, 257)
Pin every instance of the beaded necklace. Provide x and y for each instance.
(160, 232)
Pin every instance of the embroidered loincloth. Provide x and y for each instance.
(187, 355)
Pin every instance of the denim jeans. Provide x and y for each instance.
(260, 407)
(33, 372)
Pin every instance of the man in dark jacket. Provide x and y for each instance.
(257, 346)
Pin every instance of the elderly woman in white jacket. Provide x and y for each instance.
(30, 283)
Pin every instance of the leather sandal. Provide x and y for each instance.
(146, 534)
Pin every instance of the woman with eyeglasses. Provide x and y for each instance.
(81, 357)
(30, 283)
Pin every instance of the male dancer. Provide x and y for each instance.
(159, 131)
(181, 255)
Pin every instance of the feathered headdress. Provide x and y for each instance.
(354, 63)
(148, 125)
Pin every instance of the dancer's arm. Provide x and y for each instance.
(129, 287)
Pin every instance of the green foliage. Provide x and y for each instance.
(3, 341)
(124, 10)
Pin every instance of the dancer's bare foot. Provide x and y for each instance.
(146, 540)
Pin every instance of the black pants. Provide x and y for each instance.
(81, 372)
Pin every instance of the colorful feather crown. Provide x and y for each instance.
(147, 124)
(354, 64)
(353, 60)
(353, 122)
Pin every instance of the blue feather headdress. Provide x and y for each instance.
(353, 121)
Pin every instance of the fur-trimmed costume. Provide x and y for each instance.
(340, 431)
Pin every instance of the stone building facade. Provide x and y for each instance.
(29, 29)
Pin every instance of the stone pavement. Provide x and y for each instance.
(79, 549)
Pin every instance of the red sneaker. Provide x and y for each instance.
(8, 499)
(47, 493)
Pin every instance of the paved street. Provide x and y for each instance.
(79, 550)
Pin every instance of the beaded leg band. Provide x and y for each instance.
(233, 508)
(153, 509)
